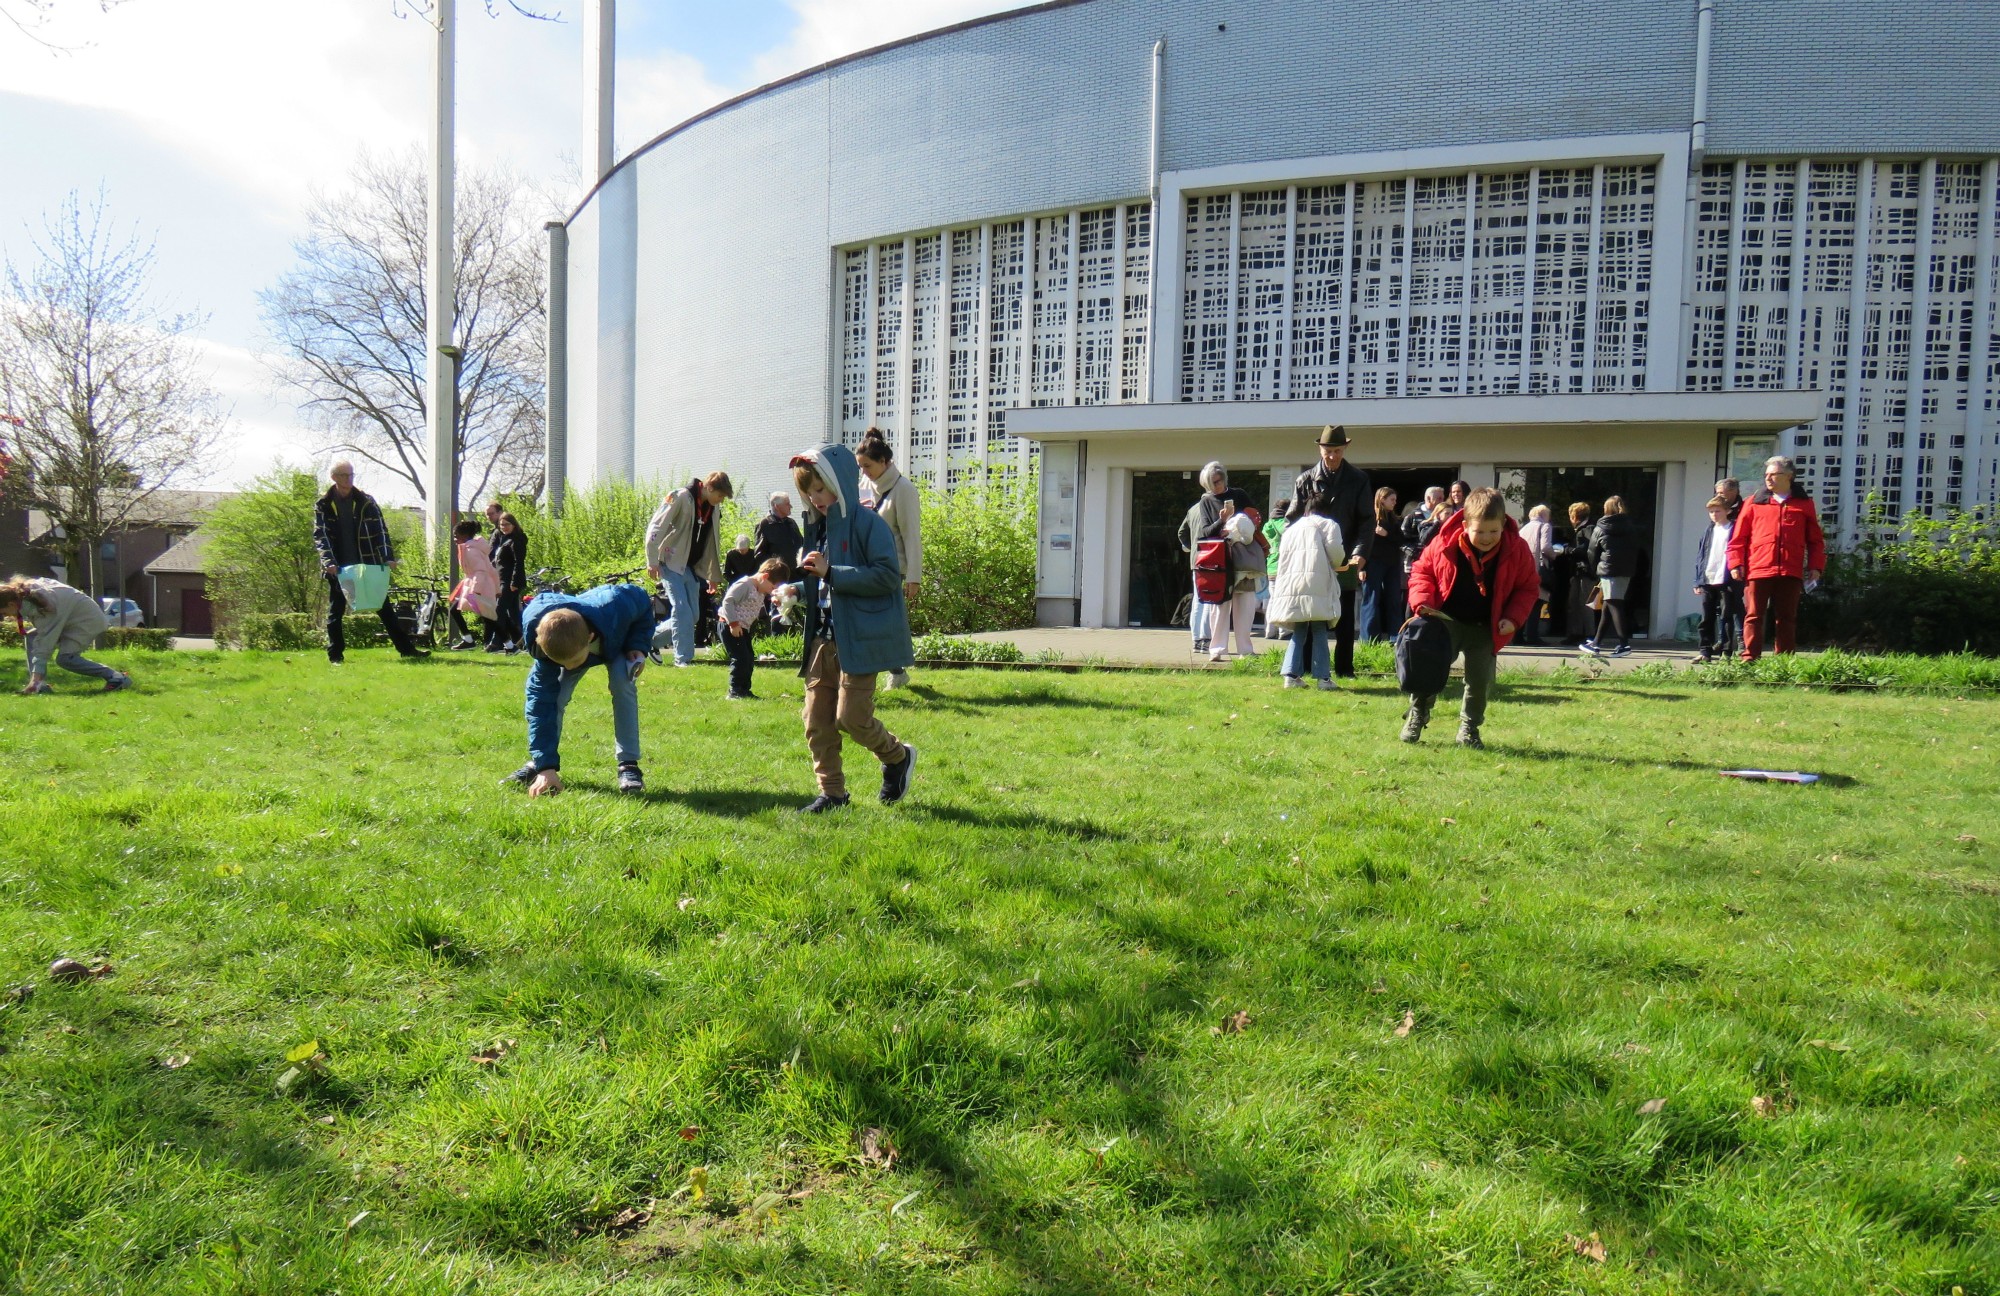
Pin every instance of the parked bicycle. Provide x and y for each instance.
(552, 580)
(423, 604)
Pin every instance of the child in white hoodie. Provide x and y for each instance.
(1305, 594)
(65, 622)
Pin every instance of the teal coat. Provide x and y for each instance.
(871, 625)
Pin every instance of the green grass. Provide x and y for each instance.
(1021, 976)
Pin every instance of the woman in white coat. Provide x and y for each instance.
(1305, 594)
(894, 499)
(63, 622)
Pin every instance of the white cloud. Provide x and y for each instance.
(830, 29)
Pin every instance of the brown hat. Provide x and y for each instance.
(1333, 436)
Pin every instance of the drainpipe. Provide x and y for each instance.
(1153, 183)
(1697, 155)
(555, 416)
(1698, 135)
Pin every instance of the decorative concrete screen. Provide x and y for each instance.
(1372, 287)
(941, 333)
(1775, 292)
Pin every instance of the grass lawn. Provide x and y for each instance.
(1155, 984)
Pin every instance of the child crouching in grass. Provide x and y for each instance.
(742, 608)
(856, 625)
(62, 622)
(1478, 577)
(567, 634)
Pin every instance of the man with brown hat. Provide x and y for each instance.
(1334, 488)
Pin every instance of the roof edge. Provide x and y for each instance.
(804, 74)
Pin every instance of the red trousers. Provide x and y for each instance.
(1771, 615)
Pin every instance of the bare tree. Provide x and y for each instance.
(106, 397)
(30, 16)
(350, 321)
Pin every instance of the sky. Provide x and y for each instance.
(208, 125)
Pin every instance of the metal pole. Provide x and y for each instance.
(440, 305)
(600, 64)
(555, 424)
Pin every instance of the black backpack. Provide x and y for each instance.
(1423, 657)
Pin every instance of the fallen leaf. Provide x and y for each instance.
(1764, 1105)
(1027, 982)
(357, 1219)
(303, 1052)
(1652, 1107)
(288, 1081)
(689, 1133)
(326, 1120)
(1409, 1023)
(1968, 837)
(876, 1149)
(698, 1182)
(1235, 1023)
(1835, 1046)
(21, 993)
(1591, 1248)
(175, 1061)
(897, 1209)
(493, 1053)
(69, 971)
(764, 1210)
(228, 868)
(683, 903)
(1449, 820)
(629, 1220)
(1378, 988)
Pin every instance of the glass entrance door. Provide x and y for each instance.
(1558, 488)
(1158, 568)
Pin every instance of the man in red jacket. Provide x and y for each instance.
(1478, 576)
(1778, 549)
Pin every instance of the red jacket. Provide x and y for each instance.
(1773, 539)
(1515, 583)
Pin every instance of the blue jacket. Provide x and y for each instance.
(1701, 548)
(871, 625)
(622, 618)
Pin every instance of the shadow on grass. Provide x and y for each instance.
(1014, 821)
(1038, 698)
(1567, 757)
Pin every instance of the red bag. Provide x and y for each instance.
(1211, 570)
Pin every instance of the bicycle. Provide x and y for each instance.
(423, 605)
(552, 580)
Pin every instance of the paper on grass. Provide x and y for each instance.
(1771, 776)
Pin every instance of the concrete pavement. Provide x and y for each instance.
(1173, 648)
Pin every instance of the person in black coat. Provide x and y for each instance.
(1614, 556)
(1581, 576)
(778, 534)
(1337, 489)
(510, 560)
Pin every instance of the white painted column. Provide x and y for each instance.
(1591, 292)
(1978, 429)
(1673, 550)
(1346, 282)
(1528, 282)
(1403, 324)
(1465, 301)
(555, 410)
(871, 285)
(899, 436)
(1795, 331)
(1291, 291)
(600, 72)
(1031, 238)
(983, 381)
(1857, 329)
(1118, 311)
(1069, 314)
(441, 293)
(1101, 557)
(1235, 265)
(1733, 291)
(1920, 327)
(941, 434)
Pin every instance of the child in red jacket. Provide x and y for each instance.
(1478, 577)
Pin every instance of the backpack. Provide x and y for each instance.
(1211, 570)
(1423, 657)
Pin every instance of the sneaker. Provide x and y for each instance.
(414, 654)
(630, 780)
(899, 679)
(1327, 686)
(1413, 725)
(1201, 645)
(1468, 736)
(1588, 647)
(823, 803)
(1622, 650)
(524, 775)
(118, 684)
(1293, 681)
(743, 697)
(495, 648)
(896, 778)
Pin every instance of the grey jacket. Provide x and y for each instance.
(670, 538)
(71, 623)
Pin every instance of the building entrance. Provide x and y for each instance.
(1560, 487)
(1158, 568)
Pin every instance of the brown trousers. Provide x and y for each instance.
(1771, 615)
(838, 703)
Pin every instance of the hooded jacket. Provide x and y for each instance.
(479, 591)
(871, 625)
(1307, 586)
(621, 616)
(1773, 539)
(671, 533)
(895, 501)
(1514, 581)
(1614, 546)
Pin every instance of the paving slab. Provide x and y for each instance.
(1172, 648)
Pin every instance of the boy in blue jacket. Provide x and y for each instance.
(567, 634)
(856, 625)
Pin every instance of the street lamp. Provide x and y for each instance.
(449, 505)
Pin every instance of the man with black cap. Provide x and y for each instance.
(1334, 488)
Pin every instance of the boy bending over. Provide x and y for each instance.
(1478, 577)
(856, 625)
(567, 634)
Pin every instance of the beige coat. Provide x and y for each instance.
(70, 624)
(670, 537)
(895, 501)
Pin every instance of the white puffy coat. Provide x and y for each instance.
(1306, 587)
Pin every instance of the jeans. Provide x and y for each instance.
(742, 660)
(1771, 615)
(684, 594)
(624, 707)
(1381, 602)
(78, 664)
(336, 634)
(1475, 644)
(1200, 617)
(1306, 653)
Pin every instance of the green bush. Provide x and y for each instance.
(279, 632)
(139, 637)
(1921, 585)
(260, 555)
(938, 648)
(602, 530)
(979, 556)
